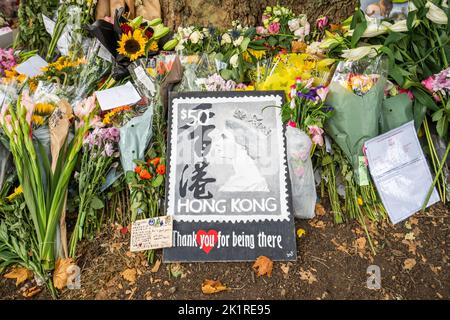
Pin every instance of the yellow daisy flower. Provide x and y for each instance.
(132, 45)
(153, 46)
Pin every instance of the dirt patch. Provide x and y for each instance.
(413, 258)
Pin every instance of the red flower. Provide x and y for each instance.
(145, 175)
(161, 169)
(138, 170)
(124, 230)
(126, 28)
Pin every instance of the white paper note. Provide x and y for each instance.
(153, 233)
(32, 67)
(117, 97)
(400, 172)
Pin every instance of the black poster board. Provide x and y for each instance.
(227, 185)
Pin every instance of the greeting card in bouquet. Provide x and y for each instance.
(228, 186)
(400, 172)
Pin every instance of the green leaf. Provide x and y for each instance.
(442, 127)
(157, 181)
(425, 99)
(96, 203)
(437, 115)
(394, 37)
(244, 44)
(326, 160)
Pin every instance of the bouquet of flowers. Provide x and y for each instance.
(356, 94)
(100, 149)
(397, 107)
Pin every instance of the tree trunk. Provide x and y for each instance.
(220, 13)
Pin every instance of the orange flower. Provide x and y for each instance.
(161, 169)
(138, 169)
(154, 161)
(145, 175)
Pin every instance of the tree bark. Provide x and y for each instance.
(220, 13)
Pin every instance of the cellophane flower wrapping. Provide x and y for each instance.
(301, 173)
(356, 94)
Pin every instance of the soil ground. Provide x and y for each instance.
(332, 263)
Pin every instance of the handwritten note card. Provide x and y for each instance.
(153, 233)
(32, 67)
(117, 97)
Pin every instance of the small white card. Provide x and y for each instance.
(117, 97)
(32, 67)
(400, 172)
(153, 233)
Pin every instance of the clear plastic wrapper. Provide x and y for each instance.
(301, 173)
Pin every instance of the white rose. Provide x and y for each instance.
(238, 41)
(195, 37)
(234, 60)
(277, 12)
(226, 39)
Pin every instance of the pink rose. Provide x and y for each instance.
(428, 83)
(260, 30)
(274, 28)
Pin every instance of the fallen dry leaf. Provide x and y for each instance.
(176, 270)
(409, 263)
(410, 236)
(129, 275)
(340, 247)
(412, 247)
(317, 224)
(413, 220)
(263, 266)
(60, 275)
(320, 210)
(361, 243)
(285, 268)
(212, 286)
(307, 276)
(156, 266)
(20, 274)
(31, 292)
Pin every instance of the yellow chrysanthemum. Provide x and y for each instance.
(44, 108)
(132, 45)
(17, 191)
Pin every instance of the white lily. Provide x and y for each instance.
(400, 26)
(373, 29)
(436, 14)
(360, 52)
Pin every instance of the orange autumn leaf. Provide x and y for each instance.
(320, 210)
(263, 266)
(212, 286)
(31, 292)
(60, 275)
(20, 274)
(129, 275)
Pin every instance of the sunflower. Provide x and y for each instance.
(132, 45)
(44, 108)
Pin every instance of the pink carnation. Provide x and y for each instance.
(316, 134)
(274, 28)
